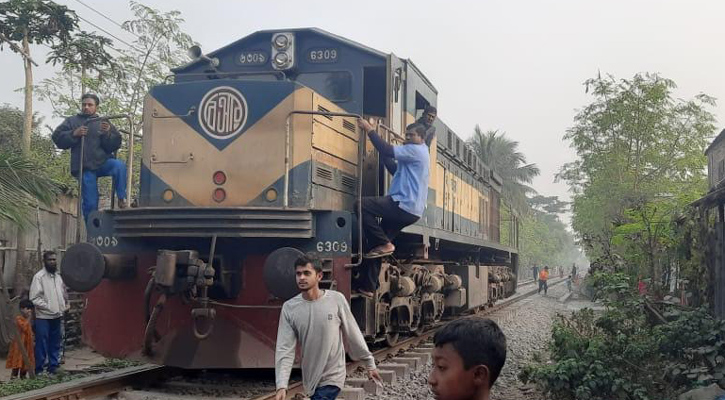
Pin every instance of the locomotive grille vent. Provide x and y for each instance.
(348, 125)
(324, 173)
(323, 109)
(349, 182)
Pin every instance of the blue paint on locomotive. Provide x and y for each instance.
(261, 98)
(152, 188)
(299, 182)
(340, 80)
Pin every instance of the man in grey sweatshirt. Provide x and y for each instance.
(317, 319)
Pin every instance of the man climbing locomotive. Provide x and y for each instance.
(405, 202)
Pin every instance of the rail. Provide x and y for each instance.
(110, 383)
(95, 386)
(382, 354)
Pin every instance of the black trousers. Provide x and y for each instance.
(543, 285)
(393, 220)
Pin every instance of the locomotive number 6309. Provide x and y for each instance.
(332, 246)
(322, 55)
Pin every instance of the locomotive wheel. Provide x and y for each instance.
(391, 338)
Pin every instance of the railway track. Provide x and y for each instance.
(115, 382)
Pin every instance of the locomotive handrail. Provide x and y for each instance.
(389, 132)
(129, 165)
(361, 152)
(228, 73)
(191, 111)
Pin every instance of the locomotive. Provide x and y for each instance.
(252, 157)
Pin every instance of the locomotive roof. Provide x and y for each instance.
(318, 31)
(315, 30)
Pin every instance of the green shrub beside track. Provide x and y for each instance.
(628, 352)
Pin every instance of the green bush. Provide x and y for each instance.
(622, 354)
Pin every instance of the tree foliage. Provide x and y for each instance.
(159, 45)
(544, 239)
(628, 353)
(83, 53)
(25, 22)
(640, 162)
(50, 161)
(21, 185)
(502, 155)
(38, 21)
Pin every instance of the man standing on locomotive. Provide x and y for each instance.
(318, 319)
(98, 140)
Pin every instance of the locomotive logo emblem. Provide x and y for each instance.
(223, 112)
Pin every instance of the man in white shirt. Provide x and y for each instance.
(48, 295)
(317, 319)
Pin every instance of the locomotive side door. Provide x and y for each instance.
(395, 118)
(396, 94)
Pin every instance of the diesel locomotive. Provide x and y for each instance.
(252, 157)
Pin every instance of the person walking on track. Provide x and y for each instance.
(543, 278)
(318, 319)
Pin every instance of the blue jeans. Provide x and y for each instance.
(328, 392)
(114, 168)
(47, 343)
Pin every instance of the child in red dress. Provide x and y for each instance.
(25, 337)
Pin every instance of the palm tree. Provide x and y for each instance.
(22, 186)
(501, 154)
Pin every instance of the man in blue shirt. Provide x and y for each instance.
(407, 195)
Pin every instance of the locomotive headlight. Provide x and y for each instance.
(281, 59)
(281, 42)
(283, 51)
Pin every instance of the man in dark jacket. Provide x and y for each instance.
(99, 140)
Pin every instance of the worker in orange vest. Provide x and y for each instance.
(543, 277)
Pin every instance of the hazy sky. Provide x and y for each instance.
(516, 66)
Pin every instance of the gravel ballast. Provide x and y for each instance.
(527, 325)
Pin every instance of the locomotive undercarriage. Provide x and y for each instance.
(410, 299)
(413, 297)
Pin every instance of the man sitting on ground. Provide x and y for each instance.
(468, 357)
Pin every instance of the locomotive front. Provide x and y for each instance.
(241, 174)
(252, 158)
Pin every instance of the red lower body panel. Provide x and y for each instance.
(114, 321)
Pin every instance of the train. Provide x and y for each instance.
(252, 157)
